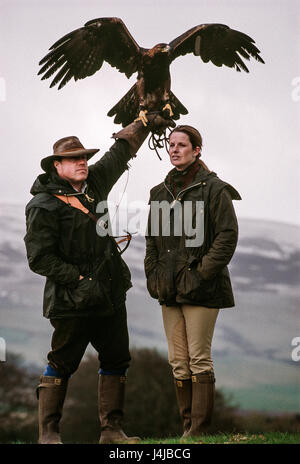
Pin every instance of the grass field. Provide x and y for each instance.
(268, 438)
(271, 438)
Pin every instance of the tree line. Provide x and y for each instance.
(150, 408)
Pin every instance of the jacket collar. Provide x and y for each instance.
(53, 184)
(201, 176)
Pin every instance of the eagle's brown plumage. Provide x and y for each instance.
(82, 52)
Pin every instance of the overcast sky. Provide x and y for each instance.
(249, 122)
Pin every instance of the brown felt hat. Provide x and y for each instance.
(67, 146)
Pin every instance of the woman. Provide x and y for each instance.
(189, 277)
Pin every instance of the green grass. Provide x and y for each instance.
(269, 438)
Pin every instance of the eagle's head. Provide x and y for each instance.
(159, 49)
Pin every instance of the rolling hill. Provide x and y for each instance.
(252, 344)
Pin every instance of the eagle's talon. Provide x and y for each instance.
(142, 117)
(169, 108)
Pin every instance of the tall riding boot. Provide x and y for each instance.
(183, 389)
(51, 393)
(203, 392)
(111, 395)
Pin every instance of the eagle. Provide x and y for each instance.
(81, 53)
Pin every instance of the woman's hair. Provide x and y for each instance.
(195, 139)
(193, 134)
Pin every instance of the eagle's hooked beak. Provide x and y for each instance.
(166, 48)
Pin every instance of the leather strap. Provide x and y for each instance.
(75, 203)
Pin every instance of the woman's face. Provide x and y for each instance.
(181, 152)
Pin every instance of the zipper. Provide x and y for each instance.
(184, 190)
(89, 199)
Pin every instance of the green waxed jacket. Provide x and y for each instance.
(62, 243)
(197, 275)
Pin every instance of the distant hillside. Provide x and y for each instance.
(252, 343)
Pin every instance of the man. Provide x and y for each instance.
(86, 278)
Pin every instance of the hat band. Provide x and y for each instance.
(69, 149)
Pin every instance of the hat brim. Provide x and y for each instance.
(89, 152)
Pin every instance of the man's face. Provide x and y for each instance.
(73, 169)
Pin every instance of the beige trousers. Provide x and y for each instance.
(189, 331)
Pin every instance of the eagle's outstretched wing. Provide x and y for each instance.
(216, 43)
(81, 53)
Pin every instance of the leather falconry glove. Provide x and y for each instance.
(136, 133)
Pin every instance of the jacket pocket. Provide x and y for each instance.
(152, 284)
(191, 286)
(160, 282)
(90, 292)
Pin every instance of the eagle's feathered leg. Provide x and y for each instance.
(140, 89)
(166, 97)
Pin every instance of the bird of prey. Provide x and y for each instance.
(82, 52)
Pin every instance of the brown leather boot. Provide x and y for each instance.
(136, 133)
(183, 389)
(203, 393)
(111, 396)
(51, 393)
